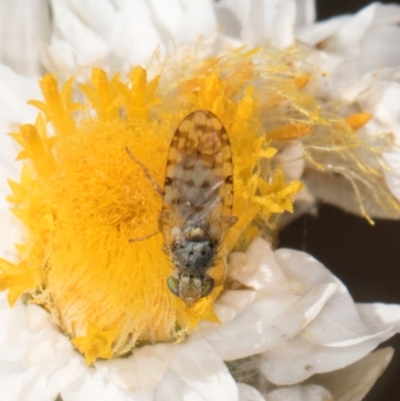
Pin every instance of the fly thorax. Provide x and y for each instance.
(194, 253)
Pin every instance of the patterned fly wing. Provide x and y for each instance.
(198, 189)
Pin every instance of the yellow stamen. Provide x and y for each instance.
(18, 279)
(301, 81)
(96, 344)
(290, 131)
(277, 196)
(358, 120)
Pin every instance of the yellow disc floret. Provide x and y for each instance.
(90, 257)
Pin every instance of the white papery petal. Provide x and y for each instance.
(299, 359)
(270, 21)
(201, 368)
(172, 388)
(269, 322)
(393, 177)
(349, 333)
(338, 324)
(292, 161)
(305, 13)
(199, 19)
(378, 316)
(264, 21)
(302, 288)
(354, 382)
(140, 36)
(10, 381)
(99, 15)
(11, 232)
(23, 27)
(346, 40)
(169, 16)
(47, 380)
(248, 393)
(228, 305)
(310, 392)
(318, 32)
(141, 371)
(231, 303)
(258, 269)
(46, 360)
(14, 334)
(387, 109)
(228, 20)
(16, 90)
(75, 45)
(239, 8)
(94, 386)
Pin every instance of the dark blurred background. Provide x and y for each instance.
(366, 258)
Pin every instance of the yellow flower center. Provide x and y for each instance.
(89, 257)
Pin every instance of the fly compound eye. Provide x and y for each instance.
(208, 286)
(173, 285)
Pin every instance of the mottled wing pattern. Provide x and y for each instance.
(198, 181)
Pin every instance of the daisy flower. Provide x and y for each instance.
(86, 311)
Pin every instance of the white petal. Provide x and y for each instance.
(270, 21)
(14, 334)
(305, 13)
(339, 323)
(350, 333)
(15, 91)
(248, 393)
(23, 26)
(169, 16)
(318, 32)
(199, 19)
(11, 375)
(302, 268)
(100, 15)
(292, 161)
(258, 269)
(11, 232)
(93, 386)
(347, 39)
(387, 109)
(172, 388)
(228, 19)
(74, 45)
(230, 303)
(199, 366)
(302, 287)
(240, 8)
(47, 380)
(269, 322)
(48, 345)
(299, 359)
(310, 392)
(141, 371)
(140, 35)
(354, 382)
(379, 317)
